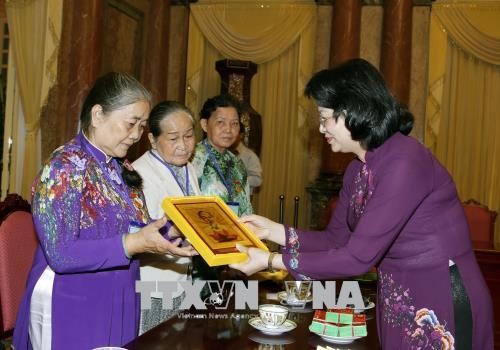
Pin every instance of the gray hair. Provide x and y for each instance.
(112, 91)
(162, 111)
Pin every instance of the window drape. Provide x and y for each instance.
(252, 31)
(34, 28)
(279, 37)
(27, 22)
(462, 125)
(468, 27)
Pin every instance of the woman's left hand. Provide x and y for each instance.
(149, 240)
(257, 260)
(180, 249)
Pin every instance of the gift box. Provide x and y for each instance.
(317, 327)
(339, 323)
(319, 315)
(359, 330)
(344, 316)
(331, 330)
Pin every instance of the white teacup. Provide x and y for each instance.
(298, 292)
(272, 316)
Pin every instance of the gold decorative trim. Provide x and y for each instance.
(211, 227)
(377, 2)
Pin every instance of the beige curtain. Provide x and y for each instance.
(279, 36)
(462, 125)
(27, 28)
(250, 30)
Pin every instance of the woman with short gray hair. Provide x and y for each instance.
(91, 220)
(166, 172)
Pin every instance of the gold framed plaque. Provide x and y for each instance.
(211, 227)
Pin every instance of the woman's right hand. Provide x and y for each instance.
(265, 228)
(149, 240)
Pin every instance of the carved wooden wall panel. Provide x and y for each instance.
(101, 36)
(135, 40)
(123, 48)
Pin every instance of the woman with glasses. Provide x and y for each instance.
(398, 210)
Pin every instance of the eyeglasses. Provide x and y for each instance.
(323, 119)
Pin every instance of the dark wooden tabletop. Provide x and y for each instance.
(216, 329)
(225, 329)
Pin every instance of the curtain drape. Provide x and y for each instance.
(251, 30)
(279, 36)
(470, 26)
(27, 28)
(462, 125)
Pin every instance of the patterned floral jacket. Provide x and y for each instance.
(234, 173)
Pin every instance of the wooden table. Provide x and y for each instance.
(230, 330)
(216, 329)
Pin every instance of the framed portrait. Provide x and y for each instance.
(211, 227)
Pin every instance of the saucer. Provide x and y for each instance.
(369, 306)
(257, 323)
(267, 339)
(337, 340)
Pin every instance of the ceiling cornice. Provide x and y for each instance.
(319, 2)
(378, 2)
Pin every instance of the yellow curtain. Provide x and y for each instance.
(463, 104)
(252, 31)
(437, 63)
(27, 28)
(279, 36)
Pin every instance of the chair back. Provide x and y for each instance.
(18, 243)
(481, 221)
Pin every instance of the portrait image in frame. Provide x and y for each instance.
(211, 227)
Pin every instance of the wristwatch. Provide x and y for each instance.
(270, 261)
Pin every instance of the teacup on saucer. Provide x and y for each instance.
(272, 316)
(298, 292)
(283, 299)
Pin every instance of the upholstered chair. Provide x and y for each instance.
(18, 242)
(481, 221)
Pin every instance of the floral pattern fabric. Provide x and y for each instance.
(411, 226)
(72, 201)
(233, 171)
(363, 190)
(293, 244)
(294, 251)
(81, 210)
(421, 326)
